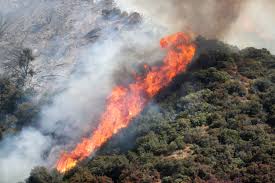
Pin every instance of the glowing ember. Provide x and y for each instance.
(126, 102)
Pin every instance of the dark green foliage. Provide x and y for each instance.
(250, 68)
(40, 175)
(212, 76)
(83, 175)
(235, 88)
(110, 166)
(262, 85)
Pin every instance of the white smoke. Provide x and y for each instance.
(19, 154)
(79, 73)
(254, 27)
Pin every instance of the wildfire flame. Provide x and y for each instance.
(126, 102)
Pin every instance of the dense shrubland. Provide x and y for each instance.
(215, 123)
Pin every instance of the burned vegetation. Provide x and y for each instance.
(214, 123)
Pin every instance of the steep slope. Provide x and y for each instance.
(214, 123)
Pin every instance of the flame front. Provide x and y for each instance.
(126, 102)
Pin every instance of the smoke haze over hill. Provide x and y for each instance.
(240, 22)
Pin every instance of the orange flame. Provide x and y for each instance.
(126, 102)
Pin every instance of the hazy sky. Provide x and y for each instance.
(240, 22)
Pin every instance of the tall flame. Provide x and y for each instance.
(126, 102)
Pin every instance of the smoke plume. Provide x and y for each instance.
(254, 26)
(240, 22)
(210, 18)
(19, 154)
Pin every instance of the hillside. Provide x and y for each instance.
(214, 123)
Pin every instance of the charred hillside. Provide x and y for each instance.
(214, 123)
